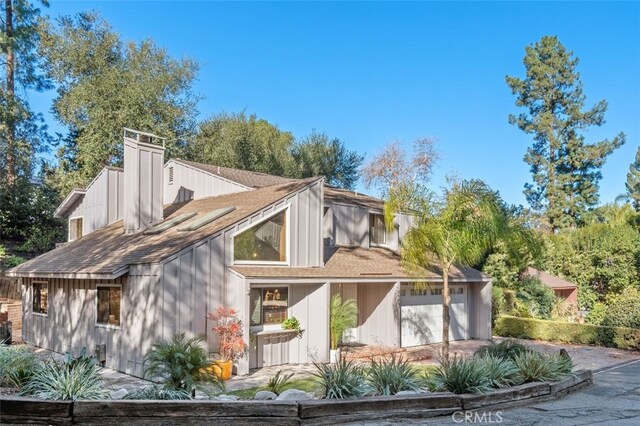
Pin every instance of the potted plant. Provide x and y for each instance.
(231, 344)
(342, 316)
(293, 324)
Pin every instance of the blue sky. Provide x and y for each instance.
(370, 73)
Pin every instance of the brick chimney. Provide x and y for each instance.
(143, 174)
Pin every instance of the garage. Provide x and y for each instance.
(421, 314)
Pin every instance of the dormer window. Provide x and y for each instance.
(264, 242)
(377, 230)
(75, 228)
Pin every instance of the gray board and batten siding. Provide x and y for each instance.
(103, 202)
(159, 300)
(184, 182)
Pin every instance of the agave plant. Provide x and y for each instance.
(56, 381)
(392, 375)
(17, 365)
(460, 375)
(507, 349)
(158, 393)
(180, 362)
(277, 383)
(342, 379)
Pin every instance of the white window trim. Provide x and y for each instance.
(270, 327)
(171, 174)
(69, 227)
(386, 233)
(40, 314)
(287, 220)
(108, 326)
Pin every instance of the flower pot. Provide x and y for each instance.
(334, 356)
(222, 369)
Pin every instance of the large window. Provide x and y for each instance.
(269, 305)
(40, 298)
(109, 298)
(75, 228)
(377, 230)
(264, 242)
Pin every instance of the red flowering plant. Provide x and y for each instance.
(228, 327)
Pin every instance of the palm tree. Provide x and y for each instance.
(456, 229)
(343, 315)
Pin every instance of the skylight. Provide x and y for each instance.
(163, 226)
(207, 218)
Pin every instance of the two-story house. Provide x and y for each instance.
(155, 246)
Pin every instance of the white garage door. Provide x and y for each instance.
(421, 315)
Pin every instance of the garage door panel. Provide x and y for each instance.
(421, 316)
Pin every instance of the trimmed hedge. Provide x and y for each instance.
(582, 334)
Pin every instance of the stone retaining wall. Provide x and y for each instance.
(16, 410)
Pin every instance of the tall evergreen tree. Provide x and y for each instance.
(105, 84)
(565, 168)
(633, 182)
(22, 133)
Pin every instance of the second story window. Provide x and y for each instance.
(377, 230)
(75, 228)
(264, 242)
(170, 175)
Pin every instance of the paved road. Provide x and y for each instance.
(612, 399)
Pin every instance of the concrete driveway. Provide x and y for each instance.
(612, 399)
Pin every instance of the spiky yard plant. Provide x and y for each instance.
(507, 349)
(501, 372)
(180, 363)
(390, 376)
(17, 365)
(343, 379)
(56, 381)
(536, 367)
(342, 316)
(460, 375)
(158, 393)
(277, 383)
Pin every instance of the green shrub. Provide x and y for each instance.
(536, 367)
(583, 334)
(17, 365)
(73, 361)
(55, 381)
(497, 303)
(277, 383)
(343, 379)
(501, 372)
(158, 393)
(390, 376)
(596, 314)
(460, 375)
(507, 349)
(180, 362)
(509, 301)
(537, 296)
(623, 310)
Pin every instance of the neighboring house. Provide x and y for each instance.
(564, 290)
(163, 244)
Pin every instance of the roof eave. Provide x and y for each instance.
(73, 196)
(70, 275)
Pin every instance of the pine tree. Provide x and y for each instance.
(633, 182)
(566, 169)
